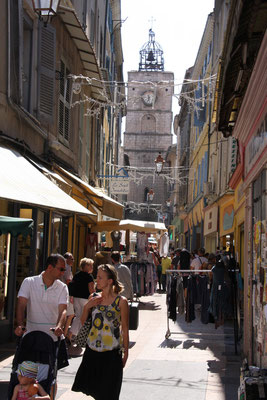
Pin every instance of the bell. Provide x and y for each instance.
(150, 56)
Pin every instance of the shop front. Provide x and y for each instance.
(211, 228)
(196, 223)
(26, 193)
(227, 223)
(187, 233)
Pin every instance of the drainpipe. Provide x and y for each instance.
(104, 41)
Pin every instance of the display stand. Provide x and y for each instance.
(234, 300)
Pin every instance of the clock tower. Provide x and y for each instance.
(148, 129)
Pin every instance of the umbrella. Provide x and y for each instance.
(16, 226)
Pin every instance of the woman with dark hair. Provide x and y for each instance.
(100, 373)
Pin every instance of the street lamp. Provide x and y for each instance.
(159, 161)
(46, 9)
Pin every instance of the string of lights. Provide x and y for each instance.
(95, 106)
(85, 80)
(138, 208)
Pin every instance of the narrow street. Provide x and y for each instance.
(196, 362)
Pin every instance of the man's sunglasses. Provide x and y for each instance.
(61, 269)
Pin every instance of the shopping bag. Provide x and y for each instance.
(133, 315)
(82, 336)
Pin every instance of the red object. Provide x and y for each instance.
(33, 389)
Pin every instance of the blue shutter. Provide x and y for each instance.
(202, 174)
(198, 179)
(194, 187)
(200, 113)
(206, 167)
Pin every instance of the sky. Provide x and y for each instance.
(178, 27)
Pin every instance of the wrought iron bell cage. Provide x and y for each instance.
(151, 55)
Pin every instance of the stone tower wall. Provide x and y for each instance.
(148, 129)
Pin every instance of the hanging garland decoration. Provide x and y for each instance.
(138, 208)
(137, 174)
(194, 100)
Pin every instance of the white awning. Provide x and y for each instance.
(85, 49)
(109, 206)
(129, 224)
(20, 181)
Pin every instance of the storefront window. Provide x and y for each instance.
(24, 248)
(56, 234)
(40, 243)
(4, 261)
(259, 221)
(24, 251)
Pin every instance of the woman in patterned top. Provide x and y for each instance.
(100, 373)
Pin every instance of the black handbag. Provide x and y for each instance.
(82, 336)
(133, 315)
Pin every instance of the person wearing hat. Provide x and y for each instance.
(28, 387)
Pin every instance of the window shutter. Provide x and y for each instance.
(46, 72)
(206, 167)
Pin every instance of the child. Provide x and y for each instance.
(27, 374)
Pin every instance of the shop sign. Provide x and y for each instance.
(119, 186)
(256, 145)
(211, 220)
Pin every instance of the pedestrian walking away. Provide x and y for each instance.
(67, 278)
(124, 275)
(101, 370)
(80, 288)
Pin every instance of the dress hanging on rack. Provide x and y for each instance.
(91, 244)
(116, 239)
(164, 245)
(142, 245)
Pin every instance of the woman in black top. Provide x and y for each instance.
(80, 288)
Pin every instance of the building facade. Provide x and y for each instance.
(55, 137)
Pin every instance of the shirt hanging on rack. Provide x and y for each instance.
(91, 244)
(164, 245)
(142, 245)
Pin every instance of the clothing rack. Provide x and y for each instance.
(234, 289)
(138, 294)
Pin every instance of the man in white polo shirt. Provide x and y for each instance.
(45, 298)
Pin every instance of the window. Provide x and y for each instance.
(64, 103)
(46, 72)
(92, 27)
(81, 135)
(88, 146)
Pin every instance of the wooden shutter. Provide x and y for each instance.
(46, 72)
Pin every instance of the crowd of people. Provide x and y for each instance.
(58, 304)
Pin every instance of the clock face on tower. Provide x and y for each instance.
(148, 98)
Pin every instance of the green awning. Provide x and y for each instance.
(16, 226)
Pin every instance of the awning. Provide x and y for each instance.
(128, 224)
(16, 226)
(84, 48)
(109, 207)
(20, 181)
